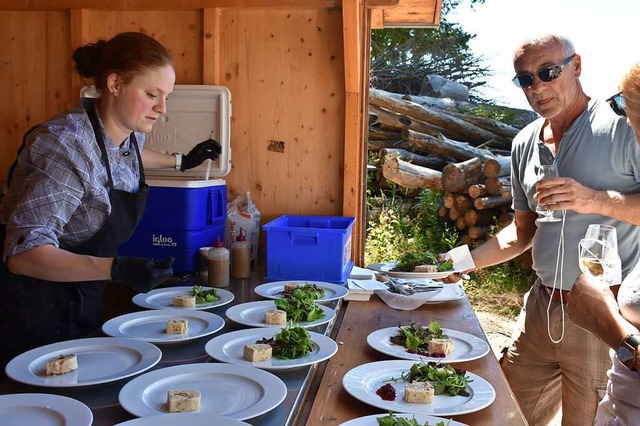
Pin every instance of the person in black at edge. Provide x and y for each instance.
(77, 191)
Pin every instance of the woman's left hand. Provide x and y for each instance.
(207, 150)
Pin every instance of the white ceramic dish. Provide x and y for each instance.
(420, 418)
(182, 419)
(362, 382)
(229, 347)
(252, 314)
(162, 298)
(274, 290)
(387, 267)
(150, 326)
(235, 391)
(41, 409)
(407, 303)
(466, 347)
(100, 360)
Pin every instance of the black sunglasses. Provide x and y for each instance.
(547, 74)
(618, 104)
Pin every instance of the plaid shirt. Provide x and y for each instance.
(59, 190)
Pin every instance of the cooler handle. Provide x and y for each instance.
(215, 208)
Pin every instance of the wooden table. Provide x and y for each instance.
(332, 404)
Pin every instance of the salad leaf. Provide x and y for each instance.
(391, 420)
(204, 296)
(291, 343)
(409, 261)
(417, 337)
(444, 378)
(317, 291)
(300, 306)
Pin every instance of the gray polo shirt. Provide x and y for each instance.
(600, 151)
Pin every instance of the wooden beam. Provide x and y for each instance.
(164, 4)
(356, 34)
(382, 4)
(211, 46)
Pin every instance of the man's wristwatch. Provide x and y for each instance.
(628, 352)
(178, 156)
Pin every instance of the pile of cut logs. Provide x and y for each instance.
(420, 147)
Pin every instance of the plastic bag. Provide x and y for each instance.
(243, 218)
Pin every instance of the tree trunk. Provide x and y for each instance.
(433, 163)
(410, 176)
(477, 190)
(480, 217)
(476, 232)
(459, 176)
(473, 134)
(497, 166)
(444, 147)
(484, 203)
(384, 135)
(390, 119)
(377, 145)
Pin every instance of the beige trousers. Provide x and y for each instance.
(547, 376)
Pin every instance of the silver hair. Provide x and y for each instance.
(565, 44)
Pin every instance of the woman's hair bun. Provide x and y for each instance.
(86, 58)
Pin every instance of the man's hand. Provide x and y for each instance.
(141, 273)
(207, 150)
(591, 305)
(565, 193)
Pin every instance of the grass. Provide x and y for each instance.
(396, 226)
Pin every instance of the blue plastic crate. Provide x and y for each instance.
(309, 248)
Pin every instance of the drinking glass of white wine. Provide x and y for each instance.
(547, 171)
(599, 259)
(607, 247)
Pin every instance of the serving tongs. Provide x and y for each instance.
(408, 287)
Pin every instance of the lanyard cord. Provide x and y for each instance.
(559, 265)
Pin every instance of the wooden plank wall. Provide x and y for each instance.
(297, 71)
(285, 70)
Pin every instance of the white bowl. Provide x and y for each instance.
(406, 303)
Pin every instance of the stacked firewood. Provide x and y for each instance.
(426, 146)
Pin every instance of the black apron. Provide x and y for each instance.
(36, 312)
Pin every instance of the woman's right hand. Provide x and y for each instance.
(141, 273)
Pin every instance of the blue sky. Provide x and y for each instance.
(606, 35)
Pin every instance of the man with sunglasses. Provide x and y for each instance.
(553, 364)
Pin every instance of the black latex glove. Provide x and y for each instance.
(209, 149)
(141, 273)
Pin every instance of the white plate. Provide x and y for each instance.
(420, 418)
(449, 293)
(252, 314)
(162, 298)
(100, 360)
(43, 410)
(274, 290)
(235, 391)
(466, 347)
(387, 267)
(151, 326)
(181, 419)
(228, 348)
(362, 382)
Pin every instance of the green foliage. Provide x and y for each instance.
(401, 228)
(401, 58)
